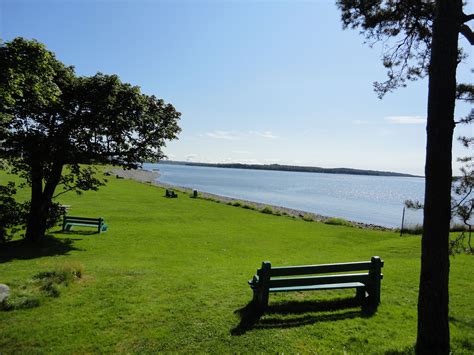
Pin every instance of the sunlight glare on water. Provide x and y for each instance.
(361, 198)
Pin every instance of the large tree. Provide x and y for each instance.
(53, 124)
(425, 35)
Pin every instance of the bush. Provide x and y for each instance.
(338, 222)
(12, 214)
(308, 218)
(266, 210)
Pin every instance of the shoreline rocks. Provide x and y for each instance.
(146, 176)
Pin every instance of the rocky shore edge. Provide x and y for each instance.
(150, 177)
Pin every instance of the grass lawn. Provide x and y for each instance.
(171, 275)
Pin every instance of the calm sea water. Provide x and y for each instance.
(369, 199)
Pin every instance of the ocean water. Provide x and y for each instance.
(369, 199)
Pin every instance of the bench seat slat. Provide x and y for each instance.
(318, 287)
(82, 224)
(319, 269)
(318, 280)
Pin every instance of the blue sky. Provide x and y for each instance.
(256, 81)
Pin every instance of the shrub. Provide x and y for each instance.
(266, 210)
(415, 229)
(338, 222)
(308, 218)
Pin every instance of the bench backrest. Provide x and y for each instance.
(72, 219)
(275, 276)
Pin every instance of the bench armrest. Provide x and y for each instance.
(254, 282)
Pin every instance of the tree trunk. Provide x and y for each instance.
(34, 228)
(41, 201)
(433, 298)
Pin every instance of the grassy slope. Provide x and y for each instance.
(170, 274)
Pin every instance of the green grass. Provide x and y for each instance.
(171, 275)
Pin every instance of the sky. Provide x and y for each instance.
(261, 82)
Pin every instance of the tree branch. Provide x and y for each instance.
(467, 18)
(467, 32)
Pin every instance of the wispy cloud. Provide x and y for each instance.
(227, 135)
(265, 134)
(406, 119)
(235, 136)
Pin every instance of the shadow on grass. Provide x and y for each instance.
(50, 246)
(299, 313)
(79, 232)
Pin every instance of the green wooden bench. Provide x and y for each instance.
(170, 194)
(70, 221)
(290, 278)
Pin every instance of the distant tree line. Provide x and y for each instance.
(303, 169)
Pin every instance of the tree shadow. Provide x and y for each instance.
(22, 250)
(299, 313)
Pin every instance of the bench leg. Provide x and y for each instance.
(360, 294)
(263, 300)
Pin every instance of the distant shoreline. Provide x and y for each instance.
(150, 177)
(292, 168)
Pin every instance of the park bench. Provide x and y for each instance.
(171, 194)
(70, 221)
(290, 278)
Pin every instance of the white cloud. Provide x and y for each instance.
(224, 135)
(265, 134)
(406, 119)
(235, 136)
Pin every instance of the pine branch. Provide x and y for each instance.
(467, 18)
(468, 34)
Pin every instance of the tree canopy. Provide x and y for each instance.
(50, 118)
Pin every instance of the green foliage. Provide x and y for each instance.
(12, 213)
(51, 119)
(338, 222)
(408, 24)
(267, 210)
(307, 217)
(461, 243)
(248, 207)
(416, 229)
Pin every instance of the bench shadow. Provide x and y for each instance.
(299, 313)
(21, 250)
(79, 232)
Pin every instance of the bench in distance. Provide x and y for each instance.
(170, 194)
(70, 221)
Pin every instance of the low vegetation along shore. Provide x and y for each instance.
(170, 274)
(150, 177)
